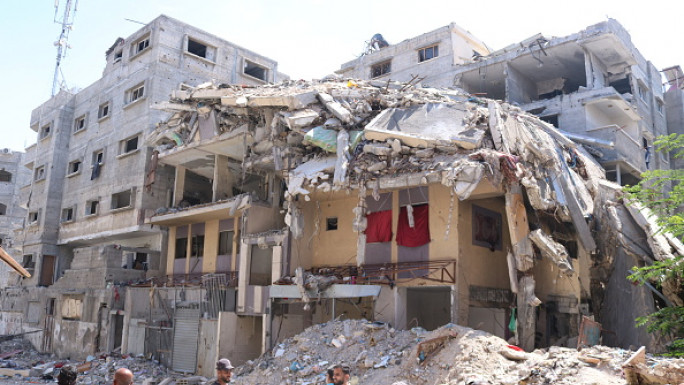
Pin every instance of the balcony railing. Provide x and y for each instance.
(443, 271)
(195, 279)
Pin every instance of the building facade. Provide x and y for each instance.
(12, 216)
(91, 186)
(594, 85)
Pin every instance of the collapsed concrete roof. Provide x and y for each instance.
(366, 136)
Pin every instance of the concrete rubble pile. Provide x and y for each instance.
(21, 364)
(454, 355)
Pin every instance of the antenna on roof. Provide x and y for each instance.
(62, 43)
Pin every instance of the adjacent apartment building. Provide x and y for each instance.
(12, 216)
(594, 85)
(87, 196)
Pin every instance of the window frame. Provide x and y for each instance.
(132, 95)
(4, 173)
(123, 145)
(135, 49)
(80, 124)
(104, 107)
(34, 217)
(45, 131)
(381, 65)
(79, 164)
(71, 211)
(88, 212)
(422, 53)
(250, 63)
(39, 173)
(131, 200)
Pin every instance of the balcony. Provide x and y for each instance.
(627, 157)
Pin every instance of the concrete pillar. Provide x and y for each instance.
(243, 276)
(178, 185)
(223, 183)
(527, 303)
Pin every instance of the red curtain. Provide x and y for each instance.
(379, 228)
(420, 233)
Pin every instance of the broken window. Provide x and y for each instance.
(33, 217)
(487, 230)
(140, 45)
(98, 157)
(140, 262)
(331, 224)
(122, 199)
(39, 173)
(200, 49)
(181, 248)
(91, 207)
(79, 123)
(74, 167)
(254, 70)
(550, 119)
(128, 145)
(225, 246)
(135, 93)
(3, 209)
(44, 132)
(28, 262)
(67, 214)
(5, 176)
(118, 55)
(428, 53)
(622, 86)
(103, 111)
(381, 69)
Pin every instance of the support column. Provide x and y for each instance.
(222, 186)
(178, 185)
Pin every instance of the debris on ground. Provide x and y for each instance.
(454, 355)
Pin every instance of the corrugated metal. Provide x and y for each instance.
(185, 337)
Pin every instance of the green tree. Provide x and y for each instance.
(663, 192)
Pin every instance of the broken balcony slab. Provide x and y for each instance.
(334, 291)
(201, 213)
(425, 126)
(232, 144)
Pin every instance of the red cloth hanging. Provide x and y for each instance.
(420, 233)
(379, 227)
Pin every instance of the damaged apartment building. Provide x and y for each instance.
(85, 233)
(379, 200)
(254, 212)
(594, 85)
(12, 177)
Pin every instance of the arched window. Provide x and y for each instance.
(5, 176)
(3, 209)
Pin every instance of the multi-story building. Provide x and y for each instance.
(593, 84)
(94, 182)
(12, 216)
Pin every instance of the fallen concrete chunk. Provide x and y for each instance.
(552, 250)
(300, 119)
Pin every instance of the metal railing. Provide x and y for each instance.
(443, 271)
(194, 279)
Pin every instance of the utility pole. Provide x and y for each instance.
(67, 23)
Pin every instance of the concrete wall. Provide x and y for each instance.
(239, 337)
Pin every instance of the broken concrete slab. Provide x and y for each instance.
(552, 250)
(425, 126)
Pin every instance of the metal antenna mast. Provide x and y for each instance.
(67, 23)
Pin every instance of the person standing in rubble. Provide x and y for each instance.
(224, 371)
(341, 375)
(123, 376)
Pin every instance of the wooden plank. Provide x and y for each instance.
(13, 263)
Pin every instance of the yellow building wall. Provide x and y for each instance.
(171, 250)
(211, 233)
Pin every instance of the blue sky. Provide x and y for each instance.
(308, 38)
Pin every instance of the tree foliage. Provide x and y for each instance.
(663, 192)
